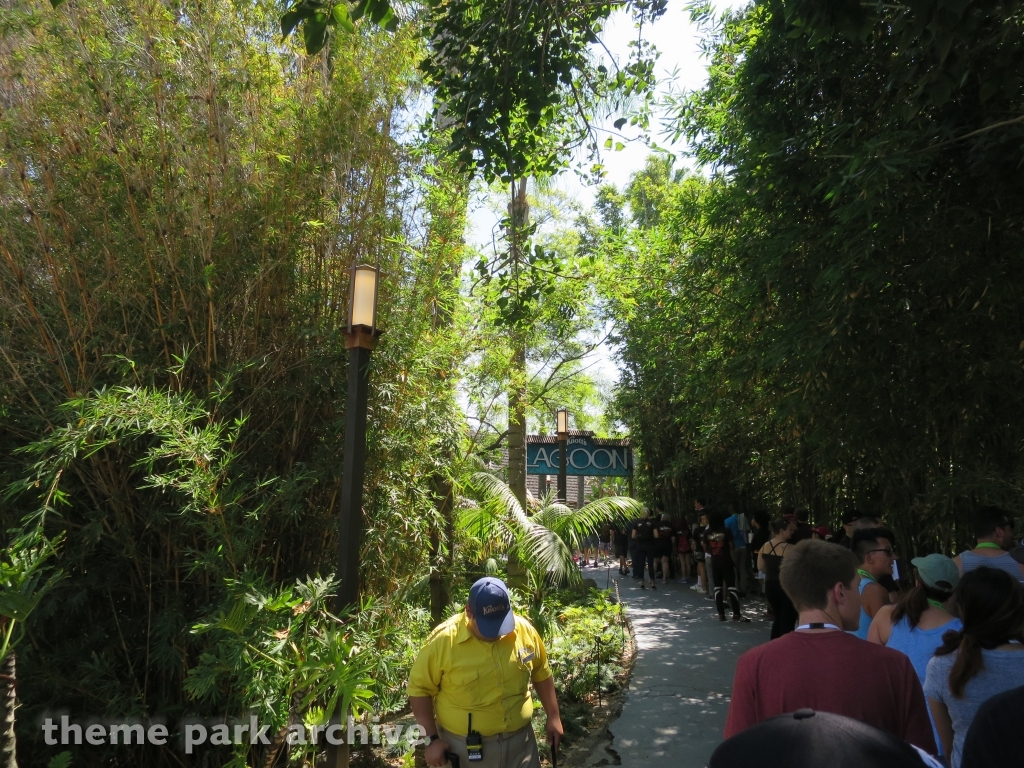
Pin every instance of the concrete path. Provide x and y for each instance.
(678, 696)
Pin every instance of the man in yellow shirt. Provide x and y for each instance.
(480, 663)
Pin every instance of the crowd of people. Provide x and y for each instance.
(932, 655)
(712, 552)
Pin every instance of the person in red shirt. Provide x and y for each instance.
(865, 681)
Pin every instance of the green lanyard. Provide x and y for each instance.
(936, 604)
(988, 545)
(866, 575)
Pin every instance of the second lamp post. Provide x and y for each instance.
(562, 430)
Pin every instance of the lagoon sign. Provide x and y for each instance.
(587, 457)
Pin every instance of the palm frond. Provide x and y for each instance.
(546, 555)
(545, 542)
(494, 492)
(573, 525)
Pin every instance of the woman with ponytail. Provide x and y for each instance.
(916, 624)
(986, 657)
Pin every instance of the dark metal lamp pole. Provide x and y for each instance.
(562, 430)
(360, 340)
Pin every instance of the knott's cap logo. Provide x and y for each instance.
(489, 609)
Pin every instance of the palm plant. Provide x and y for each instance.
(542, 542)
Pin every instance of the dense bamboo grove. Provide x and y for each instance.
(826, 314)
(830, 316)
(181, 198)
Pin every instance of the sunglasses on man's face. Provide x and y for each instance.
(887, 550)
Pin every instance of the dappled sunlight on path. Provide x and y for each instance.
(678, 696)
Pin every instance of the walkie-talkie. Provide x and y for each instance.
(474, 742)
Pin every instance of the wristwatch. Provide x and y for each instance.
(433, 737)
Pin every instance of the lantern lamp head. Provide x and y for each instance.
(362, 308)
(562, 422)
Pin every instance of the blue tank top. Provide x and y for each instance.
(865, 620)
(1003, 562)
(919, 646)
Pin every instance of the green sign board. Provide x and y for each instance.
(587, 457)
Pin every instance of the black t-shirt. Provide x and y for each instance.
(665, 534)
(697, 541)
(803, 532)
(645, 532)
(760, 537)
(716, 544)
(620, 535)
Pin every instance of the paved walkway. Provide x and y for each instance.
(678, 696)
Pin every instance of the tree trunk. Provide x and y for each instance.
(10, 756)
(440, 573)
(517, 428)
(447, 204)
(519, 216)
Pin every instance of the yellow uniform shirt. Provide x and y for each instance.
(490, 680)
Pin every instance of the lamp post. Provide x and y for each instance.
(562, 430)
(360, 340)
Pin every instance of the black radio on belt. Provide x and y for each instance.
(474, 742)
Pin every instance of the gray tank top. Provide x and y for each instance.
(1003, 562)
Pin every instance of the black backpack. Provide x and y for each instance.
(645, 531)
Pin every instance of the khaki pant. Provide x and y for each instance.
(504, 750)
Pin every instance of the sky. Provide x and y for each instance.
(677, 39)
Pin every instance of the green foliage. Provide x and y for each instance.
(25, 578)
(586, 649)
(546, 305)
(281, 654)
(588, 643)
(180, 201)
(316, 19)
(516, 81)
(831, 319)
(544, 541)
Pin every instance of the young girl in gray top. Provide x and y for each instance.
(985, 658)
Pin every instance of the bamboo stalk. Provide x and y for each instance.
(41, 329)
(46, 254)
(9, 753)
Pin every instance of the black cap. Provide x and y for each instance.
(810, 739)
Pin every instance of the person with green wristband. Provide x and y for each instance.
(874, 549)
(993, 528)
(916, 624)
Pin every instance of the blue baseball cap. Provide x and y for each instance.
(491, 607)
